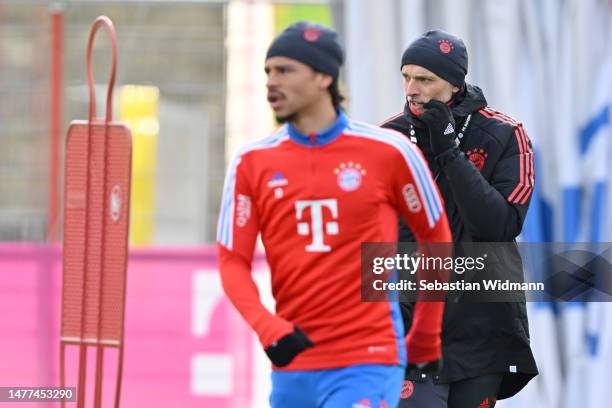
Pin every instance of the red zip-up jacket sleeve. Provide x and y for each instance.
(419, 202)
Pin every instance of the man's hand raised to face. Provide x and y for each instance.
(439, 120)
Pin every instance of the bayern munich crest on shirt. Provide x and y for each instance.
(349, 175)
(407, 389)
(478, 157)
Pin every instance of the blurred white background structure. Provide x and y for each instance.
(548, 64)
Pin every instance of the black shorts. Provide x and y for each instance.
(477, 392)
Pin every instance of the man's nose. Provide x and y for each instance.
(271, 80)
(410, 88)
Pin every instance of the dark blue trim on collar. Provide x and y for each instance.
(324, 137)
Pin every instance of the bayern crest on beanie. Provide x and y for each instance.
(312, 44)
(440, 52)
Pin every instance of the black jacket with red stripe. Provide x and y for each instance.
(486, 186)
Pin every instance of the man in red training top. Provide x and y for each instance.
(316, 189)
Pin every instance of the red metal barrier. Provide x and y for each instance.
(96, 222)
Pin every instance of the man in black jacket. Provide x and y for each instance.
(482, 162)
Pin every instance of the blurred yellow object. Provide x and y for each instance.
(139, 108)
(287, 14)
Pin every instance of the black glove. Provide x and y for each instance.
(417, 372)
(441, 125)
(284, 350)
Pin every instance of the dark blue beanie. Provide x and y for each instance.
(440, 52)
(312, 44)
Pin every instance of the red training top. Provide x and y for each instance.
(315, 199)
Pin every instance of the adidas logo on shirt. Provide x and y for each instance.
(449, 129)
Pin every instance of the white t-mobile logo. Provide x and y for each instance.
(316, 222)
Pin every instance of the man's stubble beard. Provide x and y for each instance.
(284, 119)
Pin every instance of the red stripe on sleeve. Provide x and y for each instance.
(524, 188)
(508, 118)
(530, 159)
(521, 183)
(485, 114)
(391, 118)
(524, 194)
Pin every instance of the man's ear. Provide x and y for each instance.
(326, 80)
(455, 89)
